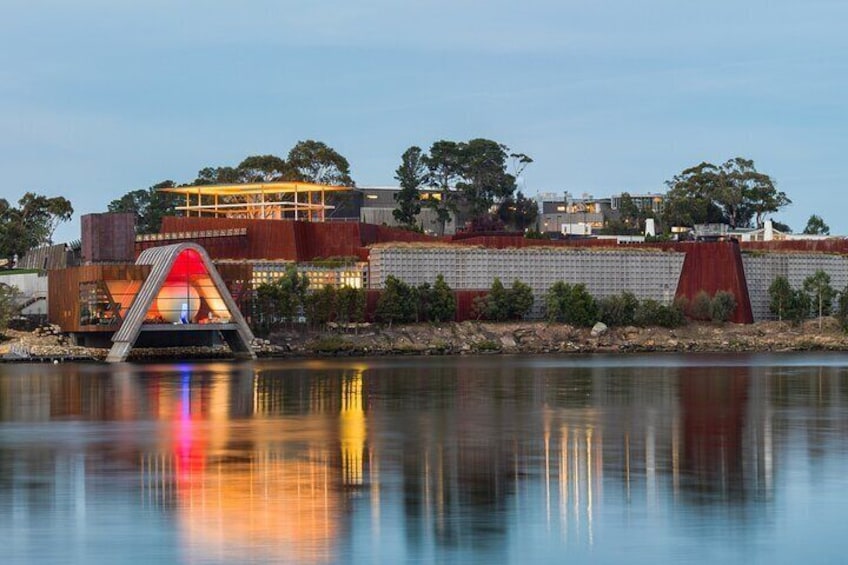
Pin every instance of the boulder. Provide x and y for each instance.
(599, 329)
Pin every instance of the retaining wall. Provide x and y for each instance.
(646, 273)
(762, 268)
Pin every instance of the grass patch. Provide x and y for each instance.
(487, 345)
(331, 344)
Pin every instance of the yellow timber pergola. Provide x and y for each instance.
(266, 200)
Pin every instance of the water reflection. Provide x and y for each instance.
(504, 459)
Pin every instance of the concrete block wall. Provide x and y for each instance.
(762, 268)
(32, 288)
(645, 273)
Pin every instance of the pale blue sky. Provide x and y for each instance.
(98, 98)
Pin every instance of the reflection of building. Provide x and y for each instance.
(268, 490)
(281, 465)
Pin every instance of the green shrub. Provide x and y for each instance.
(842, 309)
(618, 310)
(701, 306)
(397, 303)
(8, 308)
(442, 302)
(653, 313)
(570, 304)
(722, 306)
(502, 303)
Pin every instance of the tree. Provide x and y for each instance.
(799, 306)
(397, 303)
(350, 304)
(315, 161)
(842, 309)
(816, 226)
(495, 305)
(442, 301)
(518, 211)
(149, 206)
(734, 193)
(43, 214)
(217, 175)
(653, 313)
(817, 286)
(31, 223)
(293, 289)
(444, 166)
(701, 306)
(780, 298)
(322, 305)
(412, 175)
(618, 310)
(8, 304)
(571, 304)
(722, 306)
(473, 174)
(282, 300)
(485, 180)
(781, 227)
(519, 300)
(630, 214)
(264, 168)
(690, 200)
(266, 307)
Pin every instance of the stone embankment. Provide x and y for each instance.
(540, 337)
(478, 338)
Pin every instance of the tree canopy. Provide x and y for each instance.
(733, 192)
(472, 175)
(308, 161)
(518, 211)
(816, 226)
(31, 223)
(149, 206)
(412, 175)
(315, 161)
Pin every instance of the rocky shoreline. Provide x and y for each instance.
(467, 338)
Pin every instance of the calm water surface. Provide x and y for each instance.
(642, 459)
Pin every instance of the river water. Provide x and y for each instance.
(494, 459)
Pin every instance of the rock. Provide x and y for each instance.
(508, 341)
(599, 329)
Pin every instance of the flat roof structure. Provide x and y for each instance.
(267, 200)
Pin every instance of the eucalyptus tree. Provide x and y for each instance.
(733, 192)
(31, 223)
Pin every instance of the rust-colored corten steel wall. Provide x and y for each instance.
(837, 246)
(63, 297)
(290, 240)
(218, 246)
(511, 241)
(108, 237)
(714, 266)
(266, 239)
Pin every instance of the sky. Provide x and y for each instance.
(98, 98)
